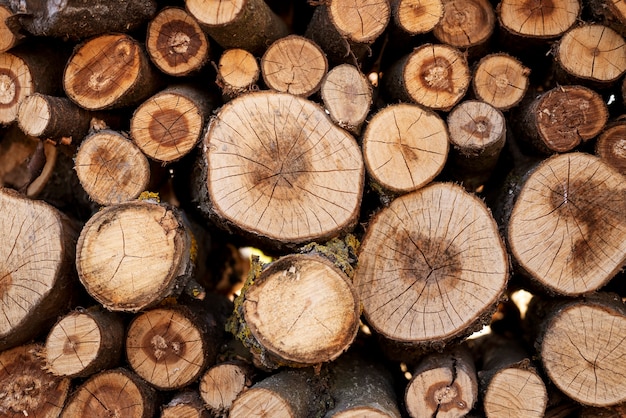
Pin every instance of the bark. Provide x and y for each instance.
(223, 383)
(295, 65)
(26, 389)
(237, 73)
(609, 13)
(544, 19)
(611, 145)
(133, 255)
(466, 24)
(176, 43)
(48, 117)
(186, 404)
(416, 16)
(566, 229)
(111, 169)
(432, 267)
(500, 80)
(38, 238)
(404, 147)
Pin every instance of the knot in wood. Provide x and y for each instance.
(23, 394)
(437, 74)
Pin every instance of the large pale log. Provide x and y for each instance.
(416, 16)
(466, 24)
(539, 19)
(611, 13)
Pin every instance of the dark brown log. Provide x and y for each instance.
(222, 384)
(539, 19)
(237, 72)
(186, 404)
(609, 13)
(26, 389)
(176, 43)
(416, 16)
(466, 24)
(49, 117)
(611, 145)
(500, 80)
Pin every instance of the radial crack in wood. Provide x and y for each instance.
(417, 16)
(538, 18)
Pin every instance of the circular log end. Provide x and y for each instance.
(34, 115)
(418, 16)
(347, 95)
(501, 81)
(221, 384)
(476, 126)
(360, 22)
(440, 391)
(15, 84)
(465, 23)
(538, 18)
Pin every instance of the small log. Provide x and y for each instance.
(109, 71)
(500, 80)
(26, 389)
(171, 347)
(611, 145)
(186, 404)
(435, 76)
(295, 65)
(37, 238)
(443, 385)
(432, 267)
(466, 24)
(301, 310)
(404, 147)
(10, 34)
(542, 19)
(176, 43)
(111, 168)
(48, 117)
(415, 17)
(133, 255)
(168, 125)
(117, 393)
(561, 119)
(566, 230)
(237, 72)
(84, 342)
(347, 95)
(222, 384)
(246, 24)
(477, 136)
(276, 168)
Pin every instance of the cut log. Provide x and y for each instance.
(186, 404)
(582, 349)
(432, 267)
(111, 168)
(500, 80)
(176, 43)
(168, 125)
(133, 255)
(295, 65)
(10, 35)
(301, 310)
(416, 16)
(538, 19)
(222, 384)
(280, 171)
(84, 342)
(246, 24)
(75, 19)
(561, 119)
(112, 393)
(566, 230)
(443, 385)
(37, 238)
(466, 24)
(109, 71)
(592, 54)
(435, 76)
(477, 136)
(347, 95)
(26, 389)
(49, 117)
(171, 347)
(237, 72)
(404, 147)
(611, 145)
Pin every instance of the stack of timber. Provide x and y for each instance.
(253, 208)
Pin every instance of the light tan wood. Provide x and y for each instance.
(26, 390)
(611, 146)
(295, 65)
(222, 383)
(404, 147)
(132, 255)
(417, 16)
(543, 19)
(111, 168)
(465, 23)
(500, 80)
(176, 43)
(9, 37)
(186, 404)
(237, 72)
(431, 266)
(567, 227)
(16, 83)
(49, 117)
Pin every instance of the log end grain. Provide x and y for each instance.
(500, 80)
(16, 83)
(542, 19)
(417, 16)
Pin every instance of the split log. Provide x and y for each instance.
(40, 239)
(435, 76)
(301, 310)
(566, 230)
(611, 145)
(237, 72)
(111, 168)
(109, 71)
(542, 19)
(443, 385)
(246, 24)
(222, 384)
(432, 267)
(347, 95)
(416, 16)
(500, 80)
(168, 125)
(477, 136)
(466, 24)
(295, 65)
(84, 342)
(26, 389)
(116, 392)
(404, 147)
(275, 168)
(186, 404)
(561, 119)
(176, 43)
(133, 255)
(171, 347)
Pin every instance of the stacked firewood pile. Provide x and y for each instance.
(404, 171)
